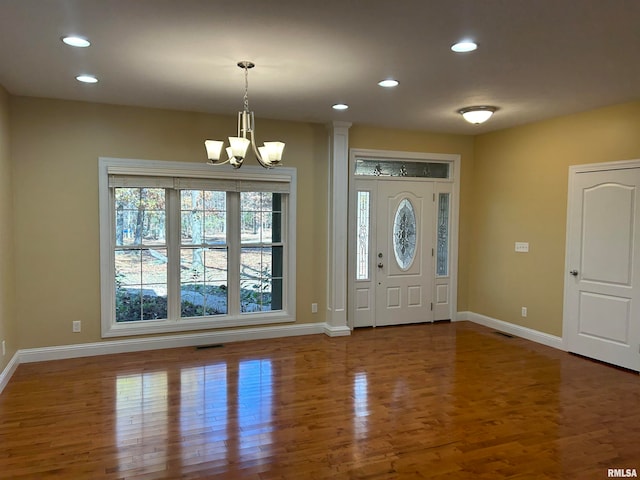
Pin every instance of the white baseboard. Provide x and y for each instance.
(512, 329)
(9, 370)
(332, 331)
(171, 341)
(461, 316)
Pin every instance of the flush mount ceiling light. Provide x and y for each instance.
(87, 79)
(75, 41)
(340, 106)
(269, 155)
(478, 114)
(464, 46)
(388, 83)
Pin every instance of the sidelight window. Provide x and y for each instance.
(442, 260)
(362, 253)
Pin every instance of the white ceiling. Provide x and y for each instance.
(536, 58)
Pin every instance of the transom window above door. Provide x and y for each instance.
(395, 168)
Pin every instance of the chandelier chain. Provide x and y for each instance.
(246, 89)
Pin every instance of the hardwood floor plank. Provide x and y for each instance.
(436, 401)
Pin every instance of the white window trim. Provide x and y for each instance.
(133, 167)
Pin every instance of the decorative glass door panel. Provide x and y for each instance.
(404, 234)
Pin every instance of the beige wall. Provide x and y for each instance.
(520, 194)
(413, 141)
(513, 188)
(56, 145)
(7, 318)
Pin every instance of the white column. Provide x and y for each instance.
(336, 324)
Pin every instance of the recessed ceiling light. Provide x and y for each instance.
(76, 41)
(388, 83)
(340, 106)
(464, 46)
(87, 79)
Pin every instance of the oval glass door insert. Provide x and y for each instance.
(404, 234)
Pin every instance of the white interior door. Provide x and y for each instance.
(602, 292)
(404, 253)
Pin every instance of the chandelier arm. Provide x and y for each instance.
(219, 163)
(257, 153)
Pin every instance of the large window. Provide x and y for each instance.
(186, 246)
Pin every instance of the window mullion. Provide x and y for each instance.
(173, 252)
(110, 306)
(233, 242)
(286, 242)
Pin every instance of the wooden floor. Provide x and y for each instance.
(443, 401)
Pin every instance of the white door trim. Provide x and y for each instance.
(573, 170)
(454, 179)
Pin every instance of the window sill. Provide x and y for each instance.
(148, 327)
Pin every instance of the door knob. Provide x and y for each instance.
(380, 255)
(380, 265)
(574, 273)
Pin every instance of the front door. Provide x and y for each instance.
(602, 292)
(404, 253)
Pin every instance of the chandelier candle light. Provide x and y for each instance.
(269, 155)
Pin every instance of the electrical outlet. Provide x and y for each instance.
(314, 308)
(77, 326)
(524, 311)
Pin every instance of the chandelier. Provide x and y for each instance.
(269, 155)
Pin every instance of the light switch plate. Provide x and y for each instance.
(522, 247)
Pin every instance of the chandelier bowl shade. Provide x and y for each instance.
(478, 114)
(239, 146)
(214, 148)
